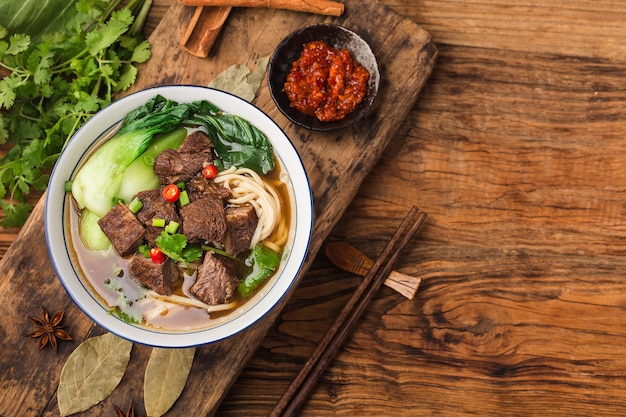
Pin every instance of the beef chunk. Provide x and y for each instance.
(155, 206)
(157, 277)
(123, 229)
(204, 220)
(241, 223)
(216, 282)
(172, 166)
(200, 186)
(196, 142)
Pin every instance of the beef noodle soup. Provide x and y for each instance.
(192, 234)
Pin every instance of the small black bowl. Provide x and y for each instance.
(290, 49)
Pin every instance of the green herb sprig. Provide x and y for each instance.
(53, 85)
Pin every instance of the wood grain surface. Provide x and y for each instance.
(514, 149)
(336, 164)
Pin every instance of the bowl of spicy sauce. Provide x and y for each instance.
(323, 77)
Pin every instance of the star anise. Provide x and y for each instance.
(48, 329)
(129, 413)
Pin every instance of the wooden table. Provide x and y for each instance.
(514, 149)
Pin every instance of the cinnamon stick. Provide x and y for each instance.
(204, 27)
(323, 7)
(297, 392)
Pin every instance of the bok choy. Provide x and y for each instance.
(98, 181)
(237, 142)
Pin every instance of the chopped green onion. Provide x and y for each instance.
(181, 185)
(135, 205)
(158, 222)
(67, 187)
(144, 250)
(172, 227)
(183, 198)
(219, 164)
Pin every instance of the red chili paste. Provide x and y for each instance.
(326, 82)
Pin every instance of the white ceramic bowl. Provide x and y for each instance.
(57, 205)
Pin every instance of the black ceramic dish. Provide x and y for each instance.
(290, 49)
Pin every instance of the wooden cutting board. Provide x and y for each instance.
(336, 164)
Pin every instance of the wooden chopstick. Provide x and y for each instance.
(299, 389)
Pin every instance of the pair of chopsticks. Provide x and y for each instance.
(297, 392)
(210, 15)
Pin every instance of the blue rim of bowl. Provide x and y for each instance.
(290, 49)
(59, 249)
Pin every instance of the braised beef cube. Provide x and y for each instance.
(123, 229)
(157, 277)
(171, 166)
(155, 207)
(182, 164)
(196, 142)
(241, 223)
(200, 186)
(204, 220)
(217, 281)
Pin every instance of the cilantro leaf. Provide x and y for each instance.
(4, 132)
(7, 93)
(175, 247)
(16, 214)
(172, 245)
(104, 36)
(127, 78)
(141, 53)
(18, 43)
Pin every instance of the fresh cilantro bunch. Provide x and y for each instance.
(52, 86)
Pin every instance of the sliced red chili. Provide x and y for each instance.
(157, 256)
(209, 171)
(171, 193)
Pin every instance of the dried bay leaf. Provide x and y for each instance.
(165, 378)
(240, 81)
(92, 372)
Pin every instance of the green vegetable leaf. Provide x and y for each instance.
(165, 378)
(16, 214)
(17, 44)
(117, 311)
(7, 93)
(127, 78)
(141, 53)
(106, 35)
(4, 133)
(35, 17)
(193, 253)
(236, 140)
(92, 372)
(172, 245)
(264, 262)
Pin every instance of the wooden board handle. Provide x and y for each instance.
(323, 7)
